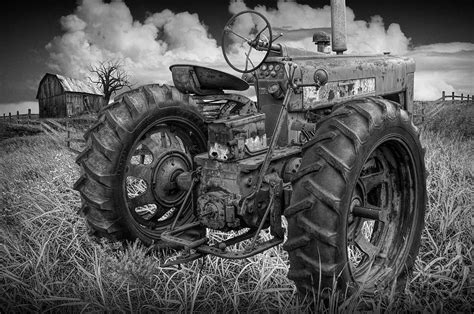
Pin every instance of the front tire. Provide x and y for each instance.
(140, 144)
(357, 209)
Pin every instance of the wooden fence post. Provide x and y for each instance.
(462, 96)
(444, 95)
(68, 138)
(452, 96)
(422, 112)
(4, 117)
(17, 116)
(10, 117)
(68, 142)
(29, 116)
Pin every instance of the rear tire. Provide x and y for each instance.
(357, 209)
(139, 145)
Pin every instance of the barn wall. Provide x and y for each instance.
(75, 103)
(62, 107)
(55, 102)
(51, 98)
(52, 107)
(96, 102)
(50, 87)
(41, 107)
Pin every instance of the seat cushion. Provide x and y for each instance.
(194, 79)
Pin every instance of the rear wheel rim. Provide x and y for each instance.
(162, 151)
(382, 214)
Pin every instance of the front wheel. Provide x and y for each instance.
(359, 198)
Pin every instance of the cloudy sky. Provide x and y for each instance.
(68, 36)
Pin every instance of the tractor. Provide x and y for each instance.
(326, 160)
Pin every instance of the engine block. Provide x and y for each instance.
(224, 186)
(237, 137)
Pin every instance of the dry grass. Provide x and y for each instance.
(8, 130)
(48, 263)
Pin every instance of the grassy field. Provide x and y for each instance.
(48, 263)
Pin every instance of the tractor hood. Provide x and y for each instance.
(348, 76)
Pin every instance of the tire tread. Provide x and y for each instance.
(314, 215)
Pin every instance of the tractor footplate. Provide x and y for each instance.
(217, 249)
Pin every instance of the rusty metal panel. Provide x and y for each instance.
(338, 90)
(388, 74)
(391, 74)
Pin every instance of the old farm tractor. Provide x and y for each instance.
(329, 144)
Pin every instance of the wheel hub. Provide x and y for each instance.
(169, 166)
(355, 202)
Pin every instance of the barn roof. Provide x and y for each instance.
(74, 85)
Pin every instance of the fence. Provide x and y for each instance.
(54, 128)
(453, 97)
(436, 106)
(28, 117)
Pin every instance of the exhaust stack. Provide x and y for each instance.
(338, 25)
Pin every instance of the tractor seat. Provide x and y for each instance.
(194, 79)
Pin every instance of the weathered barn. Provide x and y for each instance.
(60, 96)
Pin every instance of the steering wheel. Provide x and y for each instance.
(245, 33)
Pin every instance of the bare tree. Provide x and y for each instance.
(110, 77)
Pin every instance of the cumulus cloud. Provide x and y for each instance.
(99, 31)
(440, 67)
(429, 85)
(443, 67)
(452, 47)
(362, 36)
